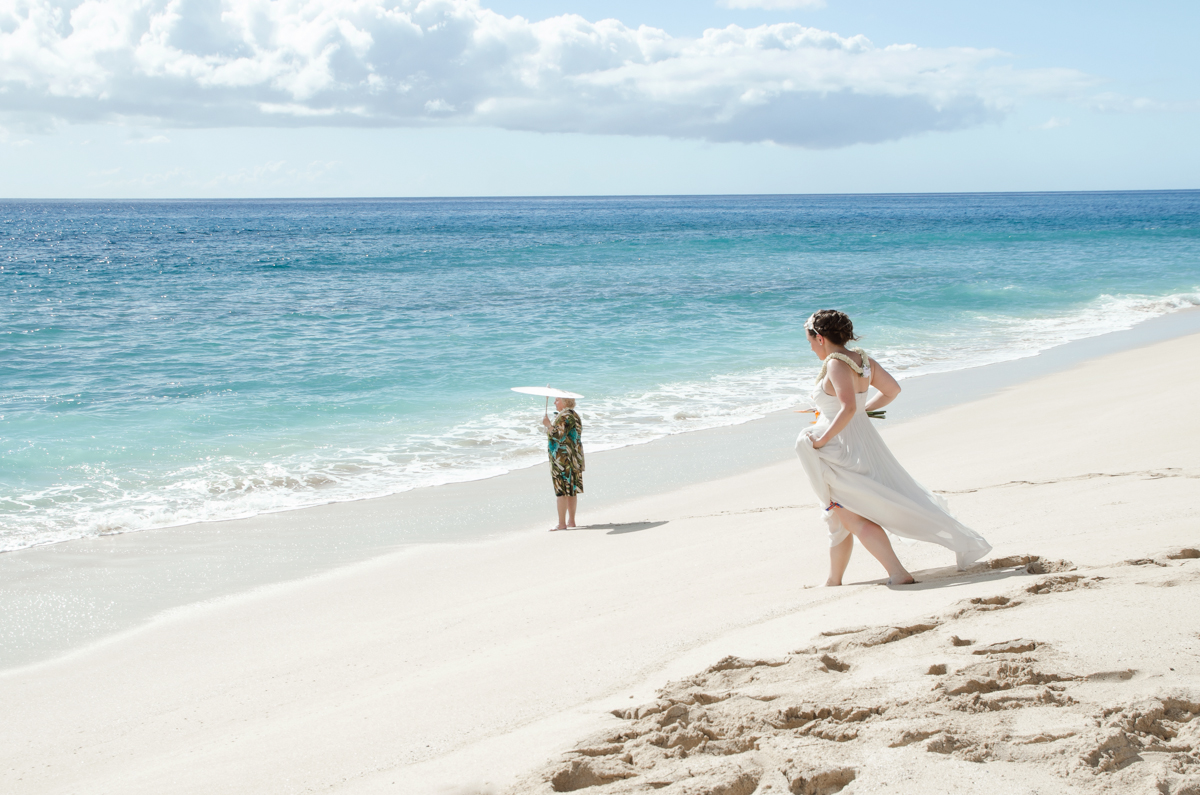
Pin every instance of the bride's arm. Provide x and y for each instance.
(888, 388)
(843, 386)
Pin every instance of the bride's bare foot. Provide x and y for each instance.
(832, 583)
(558, 527)
(903, 579)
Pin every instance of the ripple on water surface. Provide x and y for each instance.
(165, 363)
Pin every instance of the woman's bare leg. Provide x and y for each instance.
(572, 502)
(873, 537)
(561, 504)
(839, 558)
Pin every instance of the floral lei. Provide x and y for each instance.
(844, 358)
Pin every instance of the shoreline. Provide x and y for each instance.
(46, 527)
(65, 597)
(466, 668)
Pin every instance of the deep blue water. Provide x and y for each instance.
(167, 362)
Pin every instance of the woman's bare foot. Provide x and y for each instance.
(558, 527)
(571, 526)
(903, 579)
(832, 583)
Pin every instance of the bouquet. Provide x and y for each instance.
(810, 408)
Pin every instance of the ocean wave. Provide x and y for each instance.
(985, 339)
(104, 502)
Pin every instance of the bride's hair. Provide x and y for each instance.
(831, 324)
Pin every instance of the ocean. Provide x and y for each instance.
(163, 363)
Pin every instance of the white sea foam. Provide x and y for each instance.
(490, 445)
(1004, 338)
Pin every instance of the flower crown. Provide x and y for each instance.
(810, 325)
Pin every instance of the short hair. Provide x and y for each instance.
(569, 402)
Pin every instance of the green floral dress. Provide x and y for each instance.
(566, 453)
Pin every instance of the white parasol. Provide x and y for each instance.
(546, 392)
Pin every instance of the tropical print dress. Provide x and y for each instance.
(566, 453)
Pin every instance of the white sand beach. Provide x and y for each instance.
(678, 643)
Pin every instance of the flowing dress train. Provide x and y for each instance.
(858, 471)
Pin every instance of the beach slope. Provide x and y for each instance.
(677, 643)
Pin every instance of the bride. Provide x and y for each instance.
(853, 472)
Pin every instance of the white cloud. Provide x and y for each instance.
(144, 181)
(265, 173)
(148, 139)
(7, 140)
(1118, 103)
(217, 63)
(772, 5)
(272, 173)
(1053, 123)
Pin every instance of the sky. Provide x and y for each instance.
(359, 98)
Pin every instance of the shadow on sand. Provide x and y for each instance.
(949, 577)
(618, 528)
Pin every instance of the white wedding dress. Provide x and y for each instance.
(858, 471)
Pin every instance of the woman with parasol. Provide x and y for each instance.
(565, 446)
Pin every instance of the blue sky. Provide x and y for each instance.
(246, 98)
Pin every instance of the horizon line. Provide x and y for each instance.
(484, 197)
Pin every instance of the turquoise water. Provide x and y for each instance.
(169, 362)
